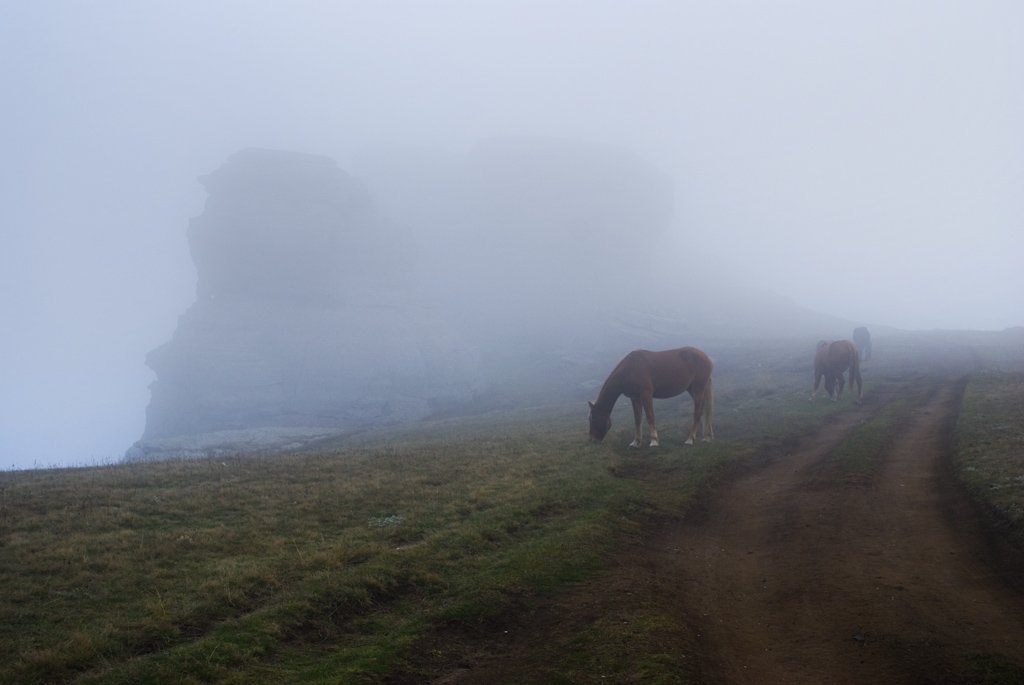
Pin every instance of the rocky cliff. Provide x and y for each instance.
(517, 273)
(305, 322)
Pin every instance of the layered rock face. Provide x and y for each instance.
(305, 321)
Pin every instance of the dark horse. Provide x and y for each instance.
(862, 339)
(643, 375)
(831, 360)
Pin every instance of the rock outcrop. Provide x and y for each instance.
(305, 323)
(513, 274)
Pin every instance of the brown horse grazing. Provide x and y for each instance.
(831, 360)
(643, 375)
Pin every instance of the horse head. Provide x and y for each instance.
(600, 423)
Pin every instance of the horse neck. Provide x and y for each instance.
(610, 392)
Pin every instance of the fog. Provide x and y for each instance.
(864, 159)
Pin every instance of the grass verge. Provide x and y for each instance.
(989, 448)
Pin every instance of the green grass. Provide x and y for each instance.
(637, 646)
(215, 568)
(993, 669)
(328, 566)
(989, 447)
(860, 454)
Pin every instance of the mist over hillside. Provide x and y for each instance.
(505, 283)
(857, 160)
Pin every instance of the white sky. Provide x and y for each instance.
(864, 158)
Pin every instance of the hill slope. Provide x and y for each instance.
(391, 556)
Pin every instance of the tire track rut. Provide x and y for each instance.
(795, 577)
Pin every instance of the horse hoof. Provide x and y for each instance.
(689, 441)
(634, 444)
(655, 443)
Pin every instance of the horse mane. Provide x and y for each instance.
(610, 390)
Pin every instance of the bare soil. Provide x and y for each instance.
(791, 573)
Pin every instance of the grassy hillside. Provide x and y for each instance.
(327, 566)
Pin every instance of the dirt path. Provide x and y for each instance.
(793, 577)
(792, 574)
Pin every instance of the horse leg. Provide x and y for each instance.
(709, 414)
(841, 381)
(649, 408)
(817, 382)
(637, 416)
(698, 410)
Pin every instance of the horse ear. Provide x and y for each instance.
(590, 404)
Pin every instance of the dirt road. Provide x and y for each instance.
(793, 576)
(790, 573)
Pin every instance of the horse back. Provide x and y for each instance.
(842, 355)
(667, 373)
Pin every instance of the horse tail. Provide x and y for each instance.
(709, 409)
(855, 370)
